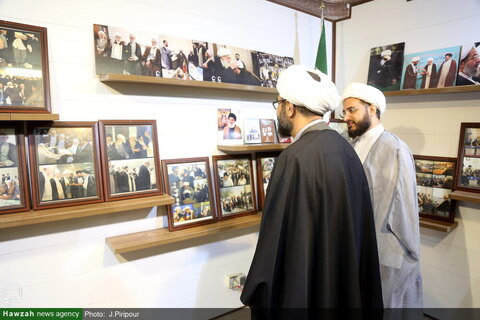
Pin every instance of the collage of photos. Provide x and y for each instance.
(11, 193)
(22, 50)
(385, 69)
(435, 180)
(235, 186)
(469, 175)
(265, 164)
(188, 182)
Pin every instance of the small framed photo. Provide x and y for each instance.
(64, 164)
(251, 127)
(468, 172)
(267, 129)
(265, 164)
(435, 180)
(235, 187)
(24, 85)
(13, 187)
(130, 158)
(190, 184)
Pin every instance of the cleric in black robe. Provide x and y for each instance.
(317, 246)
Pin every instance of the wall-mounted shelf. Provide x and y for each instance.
(248, 148)
(158, 237)
(40, 216)
(29, 116)
(438, 225)
(415, 92)
(465, 196)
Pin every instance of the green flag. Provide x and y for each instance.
(321, 61)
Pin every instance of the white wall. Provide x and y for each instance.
(66, 264)
(430, 125)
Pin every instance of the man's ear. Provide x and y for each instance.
(289, 109)
(372, 109)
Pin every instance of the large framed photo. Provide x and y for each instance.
(130, 158)
(190, 184)
(64, 164)
(24, 77)
(468, 172)
(235, 187)
(435, 179)
(265, 163)
(13, 187)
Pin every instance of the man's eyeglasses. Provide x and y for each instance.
(277, 102)
(350, 110)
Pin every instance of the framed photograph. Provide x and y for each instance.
(265, 164)
(130, 158)
(64, 164)
(267, 130)
(24, 85)
(468, 72)
(468, 172)
(268, 67)
(190, 184)
(251, 127)
(235, 187)
(281, 139)
(229, 127)
(13, 187)
(435, 179)
(385, 69)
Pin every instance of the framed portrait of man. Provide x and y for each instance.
(130, 158)
(189, 182)
(64, 164)
(24, 77)
(468, 169)
(14, 184)
(265, 163)
(385, 69)
(235, 186)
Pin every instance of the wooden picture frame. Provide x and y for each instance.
(435, 181)
(67, 154)
(468, 168)
(241, 186)
(265, 162)
(24, 66)
(14, 196)
(189, 182)
(130, 159)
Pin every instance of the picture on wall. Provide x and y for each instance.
(251, 127)
(469, 66)
(13, 186)
(24, 75)
(235, 187)
(265, 164)
(468, 173)
(130, 158)
(431, 69)
(188, 181)
(267, 129)
(64, 164)
(385, 69)
(341, 127)
(268, 67)
(435, 180)
(229, 127)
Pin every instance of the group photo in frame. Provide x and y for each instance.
(235, 186)
(435, 181)
(14, 195)
(24, 70)
(265, 163)
(468, 172)
(64, 164)
(130, 158)
(189, 182)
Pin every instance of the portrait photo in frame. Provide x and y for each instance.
(265, 163)
(468, 168)
(24, 71)
(234, 186)
(130, 158)
(14, 196)
(189, 182)
(435, 180)
(64, 164)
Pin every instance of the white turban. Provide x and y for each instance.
(430, 59)
(366, 93)
(224, 52)
(386, 53)
(466, 49)
(308, 88)
(415, 59)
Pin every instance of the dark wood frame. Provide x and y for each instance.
(45, 68)
(22, 170)
(104, 158)
(213, 206)
(218, 197)
(258, 159)
(461, 156)
(34, 164)
(451, 216)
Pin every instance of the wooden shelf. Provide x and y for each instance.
(40, 216)
(246, 148)
(438, 225)
(158, 237)
(465, 196)
(29, 116)
(414, 92)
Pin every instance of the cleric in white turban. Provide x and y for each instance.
(317, 214)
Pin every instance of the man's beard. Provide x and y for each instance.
(361, 127)
(284, 126)
(225, 63)
(469, 70)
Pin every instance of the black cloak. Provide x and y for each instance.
(317, 246)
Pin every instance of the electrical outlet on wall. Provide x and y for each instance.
(235, 280)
